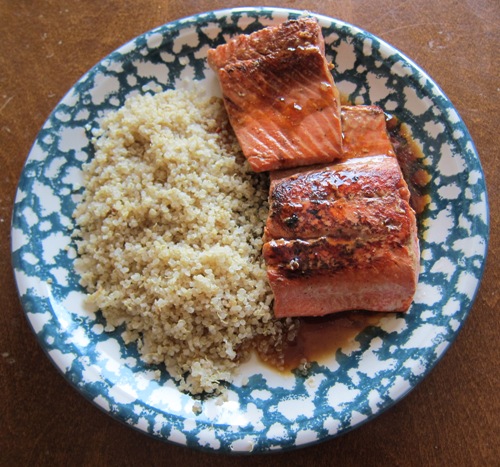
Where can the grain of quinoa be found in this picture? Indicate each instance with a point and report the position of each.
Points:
(169, 235)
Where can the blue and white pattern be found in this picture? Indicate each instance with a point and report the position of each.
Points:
(262, 410)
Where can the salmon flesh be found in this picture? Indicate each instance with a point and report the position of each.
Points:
(280, 95)
(343, 236)
(364, 130)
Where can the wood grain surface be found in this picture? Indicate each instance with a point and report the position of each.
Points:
(450, 419)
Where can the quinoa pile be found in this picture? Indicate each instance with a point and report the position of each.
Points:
(169, 236)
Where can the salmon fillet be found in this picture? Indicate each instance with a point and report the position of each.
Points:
(365, 132)
(341, 237)
(280, 96)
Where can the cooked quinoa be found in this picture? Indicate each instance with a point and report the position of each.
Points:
(169, 235)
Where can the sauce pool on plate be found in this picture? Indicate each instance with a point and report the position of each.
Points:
(319, 338)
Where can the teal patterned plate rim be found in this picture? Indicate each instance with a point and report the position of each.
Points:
(262, 411)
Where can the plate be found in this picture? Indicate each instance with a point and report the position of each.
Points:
(262, 410)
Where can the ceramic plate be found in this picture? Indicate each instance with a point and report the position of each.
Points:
(271, 411)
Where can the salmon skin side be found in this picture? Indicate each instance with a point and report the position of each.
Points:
(280, 95)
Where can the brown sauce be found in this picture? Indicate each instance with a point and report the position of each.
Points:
(319, 338)
(410, 159)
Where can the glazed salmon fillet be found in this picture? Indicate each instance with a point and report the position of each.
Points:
(341, 237)
(280, 96)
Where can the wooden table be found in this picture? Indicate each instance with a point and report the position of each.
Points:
(451, 418)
